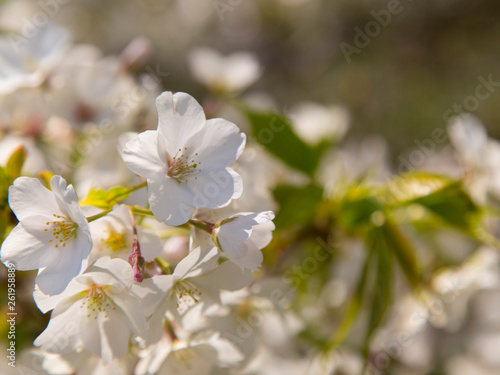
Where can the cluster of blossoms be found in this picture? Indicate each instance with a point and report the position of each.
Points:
(135, 285)
(151, 261)
(91, 269)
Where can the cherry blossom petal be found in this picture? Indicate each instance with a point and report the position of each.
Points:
(151, 246)
(179, 117)
(90, 336)
(47, 302)
(54, 278)
(220, 142)
(165, 202)
(27, 245)
(141, 156)
(110, 271)
(66, 199)
(251, 259)
(114, 334)
(262, 234)
(226, 276)
(28, 197)
(214, 187)
(130, 310)
(59, 336)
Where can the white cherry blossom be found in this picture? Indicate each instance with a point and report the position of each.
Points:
(314, 122)
(198, 356)
(99, 311)
(478, 153)
(52, 235)
(231, 73)
(242, 236)
(112, 236)
(186, 160)
(27, 61)
(196, 279)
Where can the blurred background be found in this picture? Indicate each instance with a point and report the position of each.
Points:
(392, 72)
(427, 58)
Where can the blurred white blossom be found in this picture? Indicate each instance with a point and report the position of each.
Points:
(231, 73)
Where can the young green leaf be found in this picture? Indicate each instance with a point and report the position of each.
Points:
(15, 163)
(357, 208)
(105, 198)
(273, 131)
(407, 187)
(297, 204)
(5, 182)
(404, 251)
(354, 307)
(452, 204)
(382, 289)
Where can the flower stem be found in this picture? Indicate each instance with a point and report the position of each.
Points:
(182, 230)
(203, 225)
(137, 210)
(97, 216)
(169, 330)
(130, 190)
(164, 266)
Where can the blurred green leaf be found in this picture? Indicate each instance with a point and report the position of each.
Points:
(382, 291)
(46, 177)
(5, 182)
(297, 204)
(442, 196)
(274, 132)
(357, 208)
(354, 306)
(4, 223)
(105, 198)
(404, 251)
(15, 163)
(451, 203)
(410, 186)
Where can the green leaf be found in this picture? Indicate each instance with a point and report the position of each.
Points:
(274, 132)
(382, 292)
(413, 185)
(452, 204)
(4, 223)
(444, 197)
(106, 198)
(46, 177)
(15, 163)
(298, 205)
(357, 208)
(404, 251)
(354, 306)
(5, 182)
